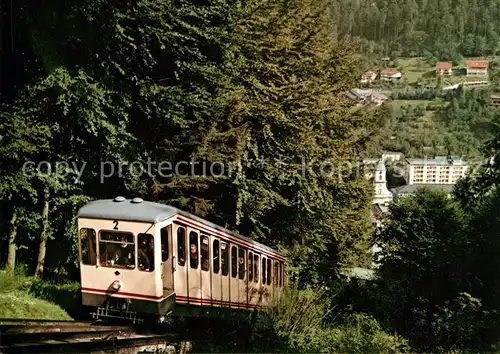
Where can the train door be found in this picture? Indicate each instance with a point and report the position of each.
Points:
(224, 267)
(206, 284)
(242, 277)
(166, 259)
(194, 276)
(179, 262)
(216, 273)
(233, 281)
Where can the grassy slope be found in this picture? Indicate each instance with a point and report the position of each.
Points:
(26, 297)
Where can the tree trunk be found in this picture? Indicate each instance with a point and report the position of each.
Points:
(43, 236)
(11, 255)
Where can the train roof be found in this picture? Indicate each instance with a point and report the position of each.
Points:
(143, 211)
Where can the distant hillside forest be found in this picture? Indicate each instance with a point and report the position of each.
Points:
(446, 28)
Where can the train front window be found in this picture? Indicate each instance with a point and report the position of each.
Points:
(89, 246)
(193, 250)
(205, 263)
(116, 249)
(241, 263)
(146, 254)
(224, 259)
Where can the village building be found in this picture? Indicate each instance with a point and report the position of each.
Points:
(408, 190)
(390, 75)
(440, 170)
(382, 195)
(444, 68)
(368, 77)
(477, 67)
(493, 99)
(369, 97)
(392, 156)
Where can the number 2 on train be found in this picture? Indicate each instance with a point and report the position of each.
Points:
(116, 225)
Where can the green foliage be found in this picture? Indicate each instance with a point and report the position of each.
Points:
(442, 30)
(297, 323)
(18, 301)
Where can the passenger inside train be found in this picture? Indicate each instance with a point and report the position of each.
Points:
(146, 253)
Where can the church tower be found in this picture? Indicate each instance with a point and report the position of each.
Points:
(382, 195)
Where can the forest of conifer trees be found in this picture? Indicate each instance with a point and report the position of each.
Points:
(257, 86)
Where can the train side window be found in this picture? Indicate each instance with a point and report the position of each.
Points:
(224, 258)
(164, 232)
(256, 268)
(269, 271)
(276, 274)
(181, 245)
(116, 249)
(241, 263)
(264, 273)
(234, 265)
(280, 274)
(193, 250)
(146, 253)
(205, 260)
(89, 246)
(250, 266)
(216, 259)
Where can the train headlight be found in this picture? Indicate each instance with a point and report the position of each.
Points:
(117, 284)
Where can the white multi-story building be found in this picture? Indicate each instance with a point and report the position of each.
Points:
(441, 170)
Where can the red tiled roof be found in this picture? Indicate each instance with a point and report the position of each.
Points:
(389, 72)
(443, 65)
(477, 64)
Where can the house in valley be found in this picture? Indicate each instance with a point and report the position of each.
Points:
(477, 67)
(390, 75)
(368, 77)
(444, 68)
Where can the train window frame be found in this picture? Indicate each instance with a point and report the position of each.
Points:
(102, 243)
(224, 252)
(256, 265)
(181, 246)
(241, 263)
(276, 273)
(150, 257)
(234, 260)
(264, 270)
(250, 266)
(269, 271)
(164, 233)
(194, 262)
(205, 260)
(215, 256)
(91, 255)
(280, 274)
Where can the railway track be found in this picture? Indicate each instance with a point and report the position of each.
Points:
(39, 336)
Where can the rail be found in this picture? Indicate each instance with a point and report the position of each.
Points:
(44, 336)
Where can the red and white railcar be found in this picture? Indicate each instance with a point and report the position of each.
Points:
(139, 257)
